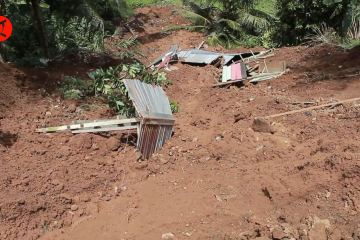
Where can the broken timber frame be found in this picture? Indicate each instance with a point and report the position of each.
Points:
(85, 127)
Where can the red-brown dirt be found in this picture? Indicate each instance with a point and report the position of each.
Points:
(295, 177)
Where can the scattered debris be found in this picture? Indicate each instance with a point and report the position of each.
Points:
(218, 198)
(259, 148)
(236, 66)
(167, 235)
(267, 193)
(94, 126)
(304, 103)
(154, 126)
(171, 53)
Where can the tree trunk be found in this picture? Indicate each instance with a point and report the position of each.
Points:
(40, 27)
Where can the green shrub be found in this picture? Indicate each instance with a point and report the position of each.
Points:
(73, 88)
(108, 82)
(174, 107)
(297, 17)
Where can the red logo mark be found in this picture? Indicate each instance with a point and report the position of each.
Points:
(5, 28)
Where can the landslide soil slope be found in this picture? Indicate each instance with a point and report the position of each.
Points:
(276, 182)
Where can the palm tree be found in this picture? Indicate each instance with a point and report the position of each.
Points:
(225, 22)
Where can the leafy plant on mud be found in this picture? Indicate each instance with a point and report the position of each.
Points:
(127, 48)
(73, 88)
(174, 106)
(324, 34)
(108, 82)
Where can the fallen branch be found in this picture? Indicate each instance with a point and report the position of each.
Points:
(352, 75)
(312, 108)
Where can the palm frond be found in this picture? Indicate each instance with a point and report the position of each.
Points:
(253, 21)
(197, 9)
(354, 30)
(194, 18)
(232, 24)
(261, 14)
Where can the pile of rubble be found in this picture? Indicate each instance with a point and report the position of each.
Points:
(236, 67)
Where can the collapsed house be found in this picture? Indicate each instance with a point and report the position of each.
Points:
(154, 120)
(236, 67)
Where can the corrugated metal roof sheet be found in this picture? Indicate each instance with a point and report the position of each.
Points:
(186, 53)
(226, 76)
(172, 50)
(198, 56)
(201, 58)
(150, 101)
(228, 58)
(153, 106)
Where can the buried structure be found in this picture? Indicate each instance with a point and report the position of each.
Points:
(236, 67)
(154, 120)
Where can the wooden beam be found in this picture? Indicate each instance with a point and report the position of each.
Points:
(88, 125)
(201, 44)
(312, 108)
(106, 129)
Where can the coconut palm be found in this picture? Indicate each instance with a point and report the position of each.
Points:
(225, 22)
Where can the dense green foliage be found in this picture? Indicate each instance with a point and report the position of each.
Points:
(83, 24)
(225, 22)
(74, 88)
(108, 83)
(69, 24)
(298, 17)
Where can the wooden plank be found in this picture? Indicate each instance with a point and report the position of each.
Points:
(223, 77)
(228, 73)
(243, 70)
(88, 125)
(202, 43)
(106, 129)
(312, 108)
(273, 66)
(253, 68)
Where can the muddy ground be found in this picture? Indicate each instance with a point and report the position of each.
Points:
(292, 177)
